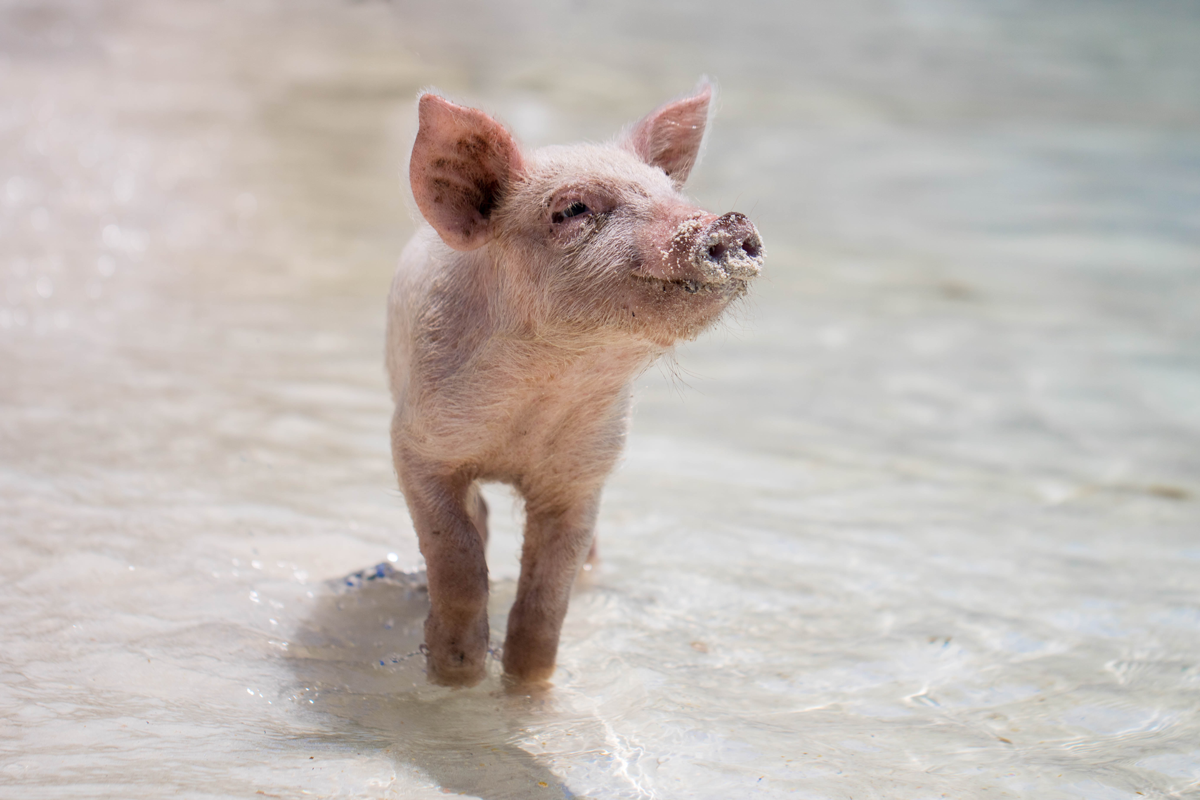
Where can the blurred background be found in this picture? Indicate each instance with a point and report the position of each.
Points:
(919, 520)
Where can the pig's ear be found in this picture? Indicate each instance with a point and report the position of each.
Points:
(463, 163)
(671, 136)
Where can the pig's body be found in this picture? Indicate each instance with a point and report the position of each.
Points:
(478, 387)
(516, 325)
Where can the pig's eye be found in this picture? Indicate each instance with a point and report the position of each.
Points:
(574, 210)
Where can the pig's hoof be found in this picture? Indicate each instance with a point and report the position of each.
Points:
(453, 668)
(526, 687)
(463, 676)
(527, 670)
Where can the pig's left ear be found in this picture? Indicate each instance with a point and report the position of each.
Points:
(671, 136)
(463, 163)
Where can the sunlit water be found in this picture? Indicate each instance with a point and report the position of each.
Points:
(921, 520)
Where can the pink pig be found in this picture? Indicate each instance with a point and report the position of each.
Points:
(545, 282)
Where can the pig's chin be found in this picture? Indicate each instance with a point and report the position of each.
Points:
(672, 309)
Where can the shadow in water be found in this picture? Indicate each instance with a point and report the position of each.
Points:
(357, 661)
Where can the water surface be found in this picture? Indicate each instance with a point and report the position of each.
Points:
(919, 521)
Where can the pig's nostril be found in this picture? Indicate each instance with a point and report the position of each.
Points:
(751, 248)
(716, 251)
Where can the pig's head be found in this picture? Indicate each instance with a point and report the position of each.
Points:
(595, 235)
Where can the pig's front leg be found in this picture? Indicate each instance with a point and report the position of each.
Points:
(450, 520)
(558, 536)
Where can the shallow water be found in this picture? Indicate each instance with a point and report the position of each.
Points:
(921, 520)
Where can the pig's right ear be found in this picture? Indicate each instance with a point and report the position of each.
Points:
(463, 163)
(671, 136)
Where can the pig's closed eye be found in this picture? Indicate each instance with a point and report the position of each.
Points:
(574, 210)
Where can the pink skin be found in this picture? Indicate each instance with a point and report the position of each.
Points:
(545, 282)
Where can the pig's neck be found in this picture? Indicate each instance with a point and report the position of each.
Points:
(521, 309)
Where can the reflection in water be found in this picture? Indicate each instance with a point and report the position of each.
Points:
(358, 661)
(922, 522)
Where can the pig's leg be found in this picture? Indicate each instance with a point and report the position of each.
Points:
(450, 520)
(557, 539)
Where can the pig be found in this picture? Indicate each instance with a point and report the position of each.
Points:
(542, 284)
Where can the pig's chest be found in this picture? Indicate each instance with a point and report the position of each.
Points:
(531, 407)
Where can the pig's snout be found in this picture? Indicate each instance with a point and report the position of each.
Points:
(728, 248)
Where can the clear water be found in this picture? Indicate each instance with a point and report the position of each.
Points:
(920, 521)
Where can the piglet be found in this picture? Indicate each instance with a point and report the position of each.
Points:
(544, 283)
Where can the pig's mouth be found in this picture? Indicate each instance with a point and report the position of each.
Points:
(694, 285)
